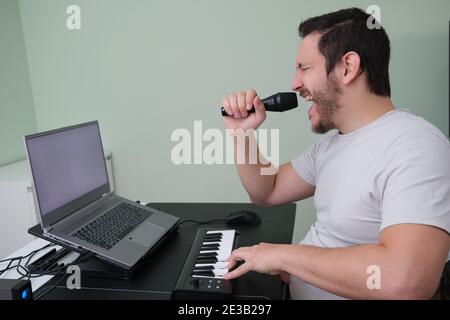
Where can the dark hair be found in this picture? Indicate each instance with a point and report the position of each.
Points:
(347, 30)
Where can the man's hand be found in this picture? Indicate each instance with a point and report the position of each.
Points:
(261, 258)
(237, 106)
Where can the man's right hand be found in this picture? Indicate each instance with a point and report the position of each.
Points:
(237, 105)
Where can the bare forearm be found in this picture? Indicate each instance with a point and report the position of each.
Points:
(350, 272)
(253, 168)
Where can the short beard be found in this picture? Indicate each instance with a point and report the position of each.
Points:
(327, 105)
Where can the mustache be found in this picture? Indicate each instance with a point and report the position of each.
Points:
(304, 93)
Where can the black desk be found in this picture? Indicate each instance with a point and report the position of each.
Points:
(156, 277)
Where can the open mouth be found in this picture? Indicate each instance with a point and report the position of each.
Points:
(309, 98)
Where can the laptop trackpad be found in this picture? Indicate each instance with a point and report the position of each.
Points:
(146, 234)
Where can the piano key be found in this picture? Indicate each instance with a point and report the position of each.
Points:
(207, 255)
(216, 239)
(219, 258)
(210, 267)
(208, 260)
(208, 233)
(216, 264)
(207, 268)
(210, 272)
(213, 235)
(211, 245)
(203, 273)
(220, 272)
(209, 251)
(215, 248)
(207, 277)
(213, 276)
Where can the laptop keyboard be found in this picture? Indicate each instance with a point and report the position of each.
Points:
(112, 226)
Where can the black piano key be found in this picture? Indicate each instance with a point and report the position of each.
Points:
(203, 273)
(213, 234)
(208, 260)
(204, 248)
(210, 249)
(211, 239)
(203, 268)
(211, 245)
(208, 267)
(207, 255)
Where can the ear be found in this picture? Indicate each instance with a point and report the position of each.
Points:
(350, 67)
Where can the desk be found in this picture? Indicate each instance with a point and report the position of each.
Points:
(156, 277)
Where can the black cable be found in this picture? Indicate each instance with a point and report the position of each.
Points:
(201, 222)
(26, 273)
(63, 276)
(20, 258)
(79, 259)
(31, 253)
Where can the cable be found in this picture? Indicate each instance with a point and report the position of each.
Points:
(201, 222)
(31, 253)
(20, 258)
(50, 289)
(26, 273)
(81, 258)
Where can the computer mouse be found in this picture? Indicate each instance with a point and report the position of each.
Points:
(243, 217)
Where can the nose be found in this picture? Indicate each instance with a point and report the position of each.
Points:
(297, 84)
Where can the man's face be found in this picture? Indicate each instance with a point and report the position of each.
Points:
(312, 83)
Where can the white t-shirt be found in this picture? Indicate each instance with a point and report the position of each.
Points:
(394, 170)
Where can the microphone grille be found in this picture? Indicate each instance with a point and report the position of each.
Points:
(288, 99)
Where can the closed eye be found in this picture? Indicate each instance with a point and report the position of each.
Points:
(302, 67)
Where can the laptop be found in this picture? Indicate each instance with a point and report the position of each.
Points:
(76, 205)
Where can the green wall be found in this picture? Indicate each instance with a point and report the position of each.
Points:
(17, 116)
(145, 68)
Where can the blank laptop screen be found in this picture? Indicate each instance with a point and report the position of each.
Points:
(66, 165)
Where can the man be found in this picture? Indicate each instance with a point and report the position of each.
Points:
(381, 182)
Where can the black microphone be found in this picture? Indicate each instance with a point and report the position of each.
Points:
(282, 101)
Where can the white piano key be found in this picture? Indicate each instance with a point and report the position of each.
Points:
(209, 251)
(216, 265)
(220, 272)
(207, 277)
(225, 248)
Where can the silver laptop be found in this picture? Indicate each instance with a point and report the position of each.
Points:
(75, 202)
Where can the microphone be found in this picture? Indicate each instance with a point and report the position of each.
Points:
(282, 101)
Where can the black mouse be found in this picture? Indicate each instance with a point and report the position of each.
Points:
(243, 217)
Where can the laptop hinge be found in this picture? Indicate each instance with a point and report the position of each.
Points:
(54, 224)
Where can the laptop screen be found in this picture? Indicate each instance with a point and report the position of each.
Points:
(68, 168)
